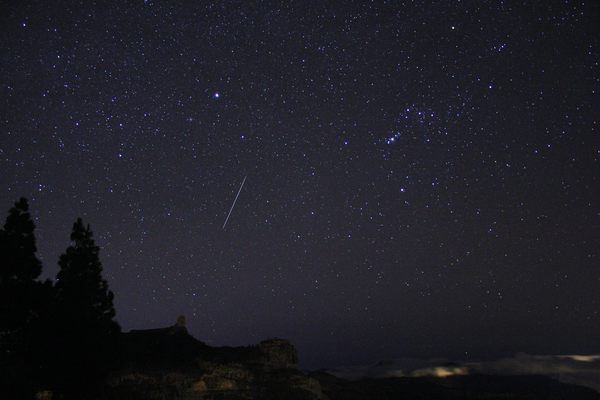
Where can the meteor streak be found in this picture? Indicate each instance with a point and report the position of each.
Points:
(233, 205)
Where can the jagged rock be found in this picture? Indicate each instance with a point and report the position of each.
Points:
(179, 326)
(170, 364)
(229, 377)
(294, 383)
(278, 353)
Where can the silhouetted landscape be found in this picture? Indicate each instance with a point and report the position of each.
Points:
(170, 363)
(60, 341)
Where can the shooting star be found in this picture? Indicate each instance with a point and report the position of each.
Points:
(233, 205)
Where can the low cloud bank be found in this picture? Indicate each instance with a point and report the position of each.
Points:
(401, 367)
(525, 364)
(576, 369)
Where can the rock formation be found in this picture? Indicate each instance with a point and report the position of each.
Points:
(278, 354)
(169, 364)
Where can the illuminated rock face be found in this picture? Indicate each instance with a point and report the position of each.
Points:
(170, 362)
(278, 354)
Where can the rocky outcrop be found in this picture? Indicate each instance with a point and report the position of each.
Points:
(232, 376)
(170, 364)
(278, 353)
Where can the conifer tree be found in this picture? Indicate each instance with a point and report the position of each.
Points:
(17, 257)
(23, 302)
(84, 334)
(19, 267)
(79, 284)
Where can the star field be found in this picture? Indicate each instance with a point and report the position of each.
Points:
(422, 179)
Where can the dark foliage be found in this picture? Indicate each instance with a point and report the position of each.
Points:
(22, 299)
(63, 337)
(83, 338)
(17, 241)
(19, 267)
(80, 288)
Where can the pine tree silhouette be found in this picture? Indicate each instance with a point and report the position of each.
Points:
(17, 246)
(19, 267)
(23, 300)
(79, 284)
(84, 334)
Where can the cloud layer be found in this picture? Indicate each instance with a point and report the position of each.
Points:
(576, 369)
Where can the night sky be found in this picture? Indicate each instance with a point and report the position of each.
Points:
(422, 179)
